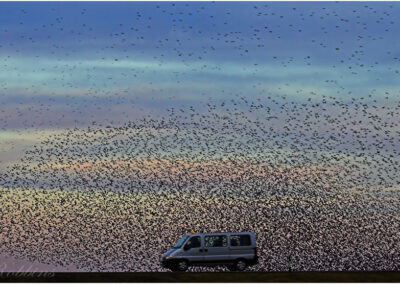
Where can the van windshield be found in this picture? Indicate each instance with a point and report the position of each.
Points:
(180, 242)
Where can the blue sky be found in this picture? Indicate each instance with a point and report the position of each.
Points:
(57, 57)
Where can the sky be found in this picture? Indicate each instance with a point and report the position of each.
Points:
(60, 56)
(74, 64)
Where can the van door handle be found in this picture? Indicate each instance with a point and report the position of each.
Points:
(205, 250)
(200, 250)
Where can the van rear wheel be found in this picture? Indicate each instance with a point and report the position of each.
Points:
(240, 265)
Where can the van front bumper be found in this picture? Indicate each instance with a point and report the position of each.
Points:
(168, 263)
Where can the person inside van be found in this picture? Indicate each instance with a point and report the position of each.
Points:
(218, 242)
(234, 242)
(194, 242)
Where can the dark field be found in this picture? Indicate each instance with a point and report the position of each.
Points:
(213, 277)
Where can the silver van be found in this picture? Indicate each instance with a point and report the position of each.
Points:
(235, 250)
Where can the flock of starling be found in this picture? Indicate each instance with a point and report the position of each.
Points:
(316, 176)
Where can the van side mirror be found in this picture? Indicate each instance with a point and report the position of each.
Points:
(187, 247)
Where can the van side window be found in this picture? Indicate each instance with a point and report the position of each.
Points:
(216, 241)
(195, 242)
(240, 240)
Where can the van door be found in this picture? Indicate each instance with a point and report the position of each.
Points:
(216, 248)
(193, 249)
(241, 246)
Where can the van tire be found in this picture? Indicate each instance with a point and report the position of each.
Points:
(240, 265)
(231, 267)
(182, 265)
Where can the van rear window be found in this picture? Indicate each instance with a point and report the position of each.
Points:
(240, 240)
(216, 241)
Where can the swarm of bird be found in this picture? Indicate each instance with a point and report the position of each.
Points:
(315, 176)
(113, 198)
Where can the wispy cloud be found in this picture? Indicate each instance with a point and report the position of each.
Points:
(30, 75)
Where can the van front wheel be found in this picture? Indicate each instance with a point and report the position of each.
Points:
(182, 265)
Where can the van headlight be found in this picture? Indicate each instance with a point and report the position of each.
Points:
(170, 256)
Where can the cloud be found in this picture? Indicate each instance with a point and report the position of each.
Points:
(29, 75)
